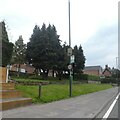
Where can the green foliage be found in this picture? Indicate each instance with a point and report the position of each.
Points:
(4, 32)
(79, 59)
(109, 80)
(23, 80)
(93, 77)
(7, 47)
(14, 74)
(80, 77)
(53, 92)
(19, 49)
(44, 48)
(45, 52)
(115, 73)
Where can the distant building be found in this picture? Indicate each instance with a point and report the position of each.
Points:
(107, 71)
(24, 68)
(93, 70)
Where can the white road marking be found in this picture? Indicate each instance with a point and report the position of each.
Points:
(111, 107)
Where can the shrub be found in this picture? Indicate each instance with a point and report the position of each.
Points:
(21, 75)
(35, 77)
(109, 80)
(93, 77)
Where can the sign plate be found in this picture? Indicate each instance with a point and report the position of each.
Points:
(72, 59)
(69, 67)
(69, 51)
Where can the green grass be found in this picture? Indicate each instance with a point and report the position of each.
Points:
(56, 92)
(29, 80)
(51, 81)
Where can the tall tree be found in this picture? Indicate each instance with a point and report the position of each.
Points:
(7, 47)
(19, 51)
(79, 59)
(43, 48)
(63, 61)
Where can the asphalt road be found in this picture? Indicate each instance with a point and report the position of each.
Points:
(114, 112)
(111, 108)
(84, 106)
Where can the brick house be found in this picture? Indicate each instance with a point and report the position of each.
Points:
(24, 68)
(93, 70)
(107, 71)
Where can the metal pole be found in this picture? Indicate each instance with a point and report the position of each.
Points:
(69, 25)
(70, 82)
(39, 90)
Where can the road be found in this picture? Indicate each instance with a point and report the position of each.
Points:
(84, 106)
(114, 112)
(112, 109)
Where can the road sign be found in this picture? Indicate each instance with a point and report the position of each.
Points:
(72, 59)
(69, 51)
(69, 67)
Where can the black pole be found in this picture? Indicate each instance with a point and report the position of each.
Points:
(39, 90)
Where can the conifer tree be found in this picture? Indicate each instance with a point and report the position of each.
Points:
(7, 47)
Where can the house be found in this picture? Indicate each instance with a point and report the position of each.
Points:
(107, 71)
(93, 70)
(24, 68)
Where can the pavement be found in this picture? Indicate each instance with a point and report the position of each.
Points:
(84, 106)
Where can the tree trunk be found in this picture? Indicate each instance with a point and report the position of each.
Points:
(53, 73)
(60, 75)
(45, 74)
(18, 70)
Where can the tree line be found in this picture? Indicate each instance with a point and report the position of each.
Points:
(45, 52)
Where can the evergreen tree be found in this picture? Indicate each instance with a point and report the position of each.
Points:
(63, 61)
(7, 47)
(43, 48)
(79, 59)
(19, 51)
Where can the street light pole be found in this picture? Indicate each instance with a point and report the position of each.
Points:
(71, 77)
(69, 24)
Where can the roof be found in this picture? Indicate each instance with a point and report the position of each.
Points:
(107, 70)
(93, 68)
(23, 65)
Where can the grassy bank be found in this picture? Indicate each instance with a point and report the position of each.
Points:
(56, 92)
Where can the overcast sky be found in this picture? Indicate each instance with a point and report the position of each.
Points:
(94, 24)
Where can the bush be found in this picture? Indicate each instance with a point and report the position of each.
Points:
(93, 77)
(109, 80)
(83, 78)
(21, 75)
(35, 77)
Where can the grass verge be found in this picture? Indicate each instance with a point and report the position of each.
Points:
(54, 92)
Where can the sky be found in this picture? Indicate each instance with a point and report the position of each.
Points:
(94, 24)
